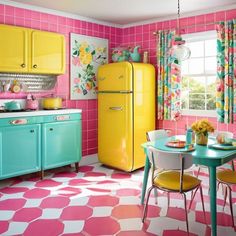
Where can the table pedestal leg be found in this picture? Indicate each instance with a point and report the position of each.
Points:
(145, 179)
(213, 200)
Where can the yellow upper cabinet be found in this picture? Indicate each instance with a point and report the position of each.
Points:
(13, 49)
(47, 53)
(31, 51)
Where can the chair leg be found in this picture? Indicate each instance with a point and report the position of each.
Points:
(203, 207)
(155, 194)
(168, 200)
(231, 205)
(225, 196)
(146, 205)
(198, 171)
(186, 211)
(192, 197)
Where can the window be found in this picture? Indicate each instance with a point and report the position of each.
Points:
(199, 75)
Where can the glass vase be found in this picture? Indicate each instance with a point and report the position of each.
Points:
(202, 138)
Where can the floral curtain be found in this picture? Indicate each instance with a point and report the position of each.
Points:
(226, 71)
(168, 78)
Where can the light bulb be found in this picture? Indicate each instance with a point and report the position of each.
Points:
(181, 52)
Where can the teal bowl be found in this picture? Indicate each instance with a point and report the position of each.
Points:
(12, 106)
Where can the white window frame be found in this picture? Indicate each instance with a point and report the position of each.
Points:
(195, 37)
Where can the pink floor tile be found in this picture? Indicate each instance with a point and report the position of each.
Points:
(103, 201)
(47, 183)
(3, 226)
(76, 213)
(12, 204)
(37, 193)
(13, 190)
(101, 226)
(27, 214)
(55, 202)
(45, 228)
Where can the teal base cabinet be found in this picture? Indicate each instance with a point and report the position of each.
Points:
(20, 151)
(61, 144)
(32, 143)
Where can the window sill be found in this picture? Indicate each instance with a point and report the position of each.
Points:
(201, 113)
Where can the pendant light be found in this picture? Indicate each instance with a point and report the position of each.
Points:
(179, 50)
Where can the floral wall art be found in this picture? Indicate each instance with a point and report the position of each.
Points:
(87, 54)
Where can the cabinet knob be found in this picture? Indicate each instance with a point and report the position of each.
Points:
(31, 131)
(23, 65)
(51, 129)
(35, 66)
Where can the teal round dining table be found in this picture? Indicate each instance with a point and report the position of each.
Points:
(202, 155)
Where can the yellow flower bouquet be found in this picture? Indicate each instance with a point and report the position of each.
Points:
(201, 129)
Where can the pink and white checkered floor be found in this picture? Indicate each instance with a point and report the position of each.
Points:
(99, 201)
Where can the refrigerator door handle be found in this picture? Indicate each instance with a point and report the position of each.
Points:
(116, 108)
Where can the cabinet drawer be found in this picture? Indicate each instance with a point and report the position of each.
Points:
(17, 121)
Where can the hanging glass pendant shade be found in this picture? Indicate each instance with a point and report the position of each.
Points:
(179, 50)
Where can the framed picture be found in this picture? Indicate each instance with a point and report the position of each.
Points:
(86, 55)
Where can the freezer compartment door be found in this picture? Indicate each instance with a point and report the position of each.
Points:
(115, 77)
(115, 130)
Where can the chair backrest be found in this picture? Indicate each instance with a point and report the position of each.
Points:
(169, 161)
(166, 160)
(226, 134)
(157, 134)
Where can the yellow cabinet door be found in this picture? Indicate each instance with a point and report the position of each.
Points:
(47, 53)
(115, 130)
(13, 49)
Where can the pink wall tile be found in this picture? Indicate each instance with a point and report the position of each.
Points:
(2, 19)
(19, 12)
(9, 11)
(9, 20)
(220, 16)
(230, 14)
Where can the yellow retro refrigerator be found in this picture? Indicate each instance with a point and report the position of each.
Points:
(126, 111)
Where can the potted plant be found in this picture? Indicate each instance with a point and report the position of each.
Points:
(201, 129)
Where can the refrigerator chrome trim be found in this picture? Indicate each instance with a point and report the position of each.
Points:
(121, 91)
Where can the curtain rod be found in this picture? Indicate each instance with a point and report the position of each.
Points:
(188, 26)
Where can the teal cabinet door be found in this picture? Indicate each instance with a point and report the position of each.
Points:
(20, 150)
(61, 143)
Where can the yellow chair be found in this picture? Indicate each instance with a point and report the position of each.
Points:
(170, 177)
(228, 178)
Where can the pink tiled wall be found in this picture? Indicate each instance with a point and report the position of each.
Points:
(143, 35)
(139, 35)
(48, 22)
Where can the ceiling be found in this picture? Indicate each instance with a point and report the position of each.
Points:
(130, 11)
